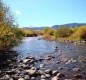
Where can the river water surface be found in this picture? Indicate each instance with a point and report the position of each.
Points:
(68, 58)
(36, 47)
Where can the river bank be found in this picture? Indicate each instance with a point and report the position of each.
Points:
(58, 62)
(66, 40)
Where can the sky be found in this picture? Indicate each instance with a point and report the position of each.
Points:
(37, 13)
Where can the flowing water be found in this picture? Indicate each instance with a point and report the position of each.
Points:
(36, 47)
(67, 57)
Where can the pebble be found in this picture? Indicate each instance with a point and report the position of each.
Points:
(78, 76)
(27, 77)
(48, 75)
(41, 65)
(76, 69)
(55, 72)
(21, 79)
(60, 75)
(48, 71)
(43, 76)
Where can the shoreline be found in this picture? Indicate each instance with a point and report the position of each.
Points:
(66, 40)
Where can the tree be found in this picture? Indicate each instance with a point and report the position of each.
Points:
(8, 31)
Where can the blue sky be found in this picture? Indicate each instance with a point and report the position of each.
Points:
(47, 12)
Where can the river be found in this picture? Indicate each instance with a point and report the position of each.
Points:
(37, 47)
(68, 58)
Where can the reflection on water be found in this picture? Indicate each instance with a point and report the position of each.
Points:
(36, 47)
(32, 45)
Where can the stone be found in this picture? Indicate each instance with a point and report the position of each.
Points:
(43, 79)
(68, 79)
(43, 76)
(60, 75)
(26, 60)
(57, 62)
(33, 68)
(76, 69)
(48, 58)
(11, 72)
(65, 59)
(69, 62)
(27, 77)
(30, 57)
(26, 66)
(55, 72)
(60, 68)
(15, 77)
(55, 78)
(48, 71)
(40, 59)
(32, 78)
(7, 77)
(48, 75)
(79, 76)
(41, 72)
(31, 72)
(41, 65)
(11, 79)
(21, 79)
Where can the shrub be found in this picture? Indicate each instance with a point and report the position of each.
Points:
(29, 33)
(80, 33)
(10, 35)
(63, 32)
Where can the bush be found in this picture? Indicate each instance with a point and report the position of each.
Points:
(29, 33)
(10, 35)
(80, 33)
(63, 32)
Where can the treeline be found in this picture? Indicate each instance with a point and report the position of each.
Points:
(77, 33)
(10, 35)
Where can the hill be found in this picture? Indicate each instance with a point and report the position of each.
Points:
(72, 25)
(69, 25)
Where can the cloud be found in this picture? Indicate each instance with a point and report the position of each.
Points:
(18, 12)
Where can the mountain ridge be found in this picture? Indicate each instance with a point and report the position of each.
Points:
(71, 25)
